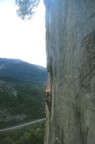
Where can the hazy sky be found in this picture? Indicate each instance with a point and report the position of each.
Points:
(22, 39)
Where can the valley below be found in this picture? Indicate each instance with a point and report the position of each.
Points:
(22, 90)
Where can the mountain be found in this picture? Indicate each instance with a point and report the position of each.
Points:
(17, 70)
(22, 88)
(6, 60)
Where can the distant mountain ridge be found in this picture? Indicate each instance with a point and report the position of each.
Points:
(6, 60)
(18, 70)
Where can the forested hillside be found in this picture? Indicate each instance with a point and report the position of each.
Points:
(22, 87)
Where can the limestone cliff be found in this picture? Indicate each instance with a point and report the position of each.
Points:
(70, 36)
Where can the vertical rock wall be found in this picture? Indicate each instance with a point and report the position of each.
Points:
(70, 37)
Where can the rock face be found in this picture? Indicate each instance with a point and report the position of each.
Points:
(70, 36)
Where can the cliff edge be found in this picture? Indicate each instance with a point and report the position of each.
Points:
(70, 42)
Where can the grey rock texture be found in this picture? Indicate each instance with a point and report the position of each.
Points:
(70, 37)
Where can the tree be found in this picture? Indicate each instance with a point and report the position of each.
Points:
(26, 8)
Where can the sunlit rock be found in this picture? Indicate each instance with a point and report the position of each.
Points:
(70, 37)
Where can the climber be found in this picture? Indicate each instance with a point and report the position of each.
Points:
(48, 99)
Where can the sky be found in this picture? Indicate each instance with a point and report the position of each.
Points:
(21, 39)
